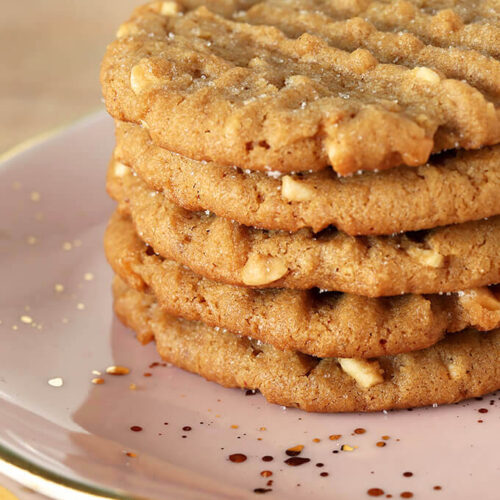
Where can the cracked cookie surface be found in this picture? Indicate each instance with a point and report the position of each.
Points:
(319, 324)
(294, 87)
(452, 188)
(445, 259)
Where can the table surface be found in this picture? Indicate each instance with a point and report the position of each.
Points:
(50, 55)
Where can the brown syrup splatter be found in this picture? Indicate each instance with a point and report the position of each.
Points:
(375, 492)
(324, 474)
(136, 428)
(237, 458)
(296, 461)
(267, 458)
(359, 430)
(266, 473)
(407, 474)
(294, 450)
(406, 494)
(261, 491)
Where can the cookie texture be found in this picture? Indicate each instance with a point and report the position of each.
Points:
(266, 87)
(451, 258)
(452, 188)
(319, 324)
(461, 366)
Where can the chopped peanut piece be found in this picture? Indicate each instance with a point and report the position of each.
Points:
(142, 78)
(127, 29)
(365, 373)
(482, 296)
(293, 190)
(165, 8)
(427, 75)
(429, 258)
(120, 170)
(261, 270)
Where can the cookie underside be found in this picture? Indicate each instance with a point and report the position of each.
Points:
(461, 366)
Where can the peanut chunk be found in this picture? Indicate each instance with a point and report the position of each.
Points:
(365, 373)
(427, 75)
(120, 170)
(142, 77)
(165, 8)
(429, 258)
(456, 368)
(127, 29)
(293, 190)
(261, 270)
(483, 296)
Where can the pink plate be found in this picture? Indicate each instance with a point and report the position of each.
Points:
(71, 438)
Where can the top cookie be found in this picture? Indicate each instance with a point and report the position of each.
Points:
(268, 88)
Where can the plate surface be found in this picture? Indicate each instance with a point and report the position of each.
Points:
(57, 332)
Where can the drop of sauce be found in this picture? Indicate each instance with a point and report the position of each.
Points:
(483, 410)
(270, 482)
(319, 464)
(381, 444)
(437, 488)
(261, 491)
(186, 428)
(294, 451)
(324, 474)
(136, 428)
(375, 492)
(407, 474)
(266, 473)
(406, 494)
(359, 430)
(296, 461)
(267, 458)
(237, 458)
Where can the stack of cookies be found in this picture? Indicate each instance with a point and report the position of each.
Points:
(309, 196)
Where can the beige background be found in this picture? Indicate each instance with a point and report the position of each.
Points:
(49, 61)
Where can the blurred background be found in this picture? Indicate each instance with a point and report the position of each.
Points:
(50, 52)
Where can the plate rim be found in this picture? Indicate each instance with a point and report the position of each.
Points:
(11, 463)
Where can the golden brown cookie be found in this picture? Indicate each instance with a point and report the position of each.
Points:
(450, 258)
(213, 82)
(461, 366)
(452, 188)
(319, 324)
